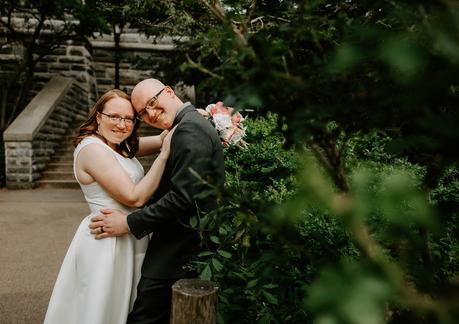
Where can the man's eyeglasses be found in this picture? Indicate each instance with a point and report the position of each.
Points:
(128, 121)
(150, 104)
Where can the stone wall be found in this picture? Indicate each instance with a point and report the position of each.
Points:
(92, 64)
(139, 56)
(8, 62)
(74, 61)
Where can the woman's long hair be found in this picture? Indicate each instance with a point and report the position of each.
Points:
(128, 148)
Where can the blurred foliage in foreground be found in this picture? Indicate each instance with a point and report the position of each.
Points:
(344, 207)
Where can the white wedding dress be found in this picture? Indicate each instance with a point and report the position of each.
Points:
(98, 278)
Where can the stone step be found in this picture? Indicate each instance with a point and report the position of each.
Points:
(58, 175)
(80, 117)
(64, 150)
(68, 141)
(67, 156)
(59, 166)
(67, 184)
(69, 137)
(76, 124)
(63, 159)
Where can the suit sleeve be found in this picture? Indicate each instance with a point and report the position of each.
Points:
(190, 148)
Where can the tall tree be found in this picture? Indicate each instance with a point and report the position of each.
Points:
(34, 29)
(116, 15)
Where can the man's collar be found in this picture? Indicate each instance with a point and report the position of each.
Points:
(186, 104)
(185, 108)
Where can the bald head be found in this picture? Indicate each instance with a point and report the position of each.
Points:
(143, 91)
(162, 101)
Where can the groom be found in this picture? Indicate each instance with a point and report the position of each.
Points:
(195, 145)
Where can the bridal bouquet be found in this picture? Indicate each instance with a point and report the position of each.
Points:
(229, 124)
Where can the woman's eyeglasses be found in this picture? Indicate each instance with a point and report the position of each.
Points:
(128, 121)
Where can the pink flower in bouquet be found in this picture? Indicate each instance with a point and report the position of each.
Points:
(228, 123)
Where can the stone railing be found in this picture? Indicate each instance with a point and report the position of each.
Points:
(30, 141)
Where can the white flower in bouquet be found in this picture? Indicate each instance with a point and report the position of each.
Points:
(227, 123)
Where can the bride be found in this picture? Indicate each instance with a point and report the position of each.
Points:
(97, 281)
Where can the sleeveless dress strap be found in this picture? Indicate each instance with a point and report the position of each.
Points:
(86, 141)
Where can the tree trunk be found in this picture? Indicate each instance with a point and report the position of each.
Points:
(194, 301)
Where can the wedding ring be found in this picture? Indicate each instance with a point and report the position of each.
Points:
(102, 229)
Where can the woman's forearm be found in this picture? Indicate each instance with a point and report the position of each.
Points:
(149, 144)
(147, 186)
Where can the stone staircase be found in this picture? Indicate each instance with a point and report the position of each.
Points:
(59, 171)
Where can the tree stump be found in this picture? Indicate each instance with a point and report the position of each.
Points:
(194, 301)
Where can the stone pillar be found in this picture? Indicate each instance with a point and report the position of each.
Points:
(19, 165)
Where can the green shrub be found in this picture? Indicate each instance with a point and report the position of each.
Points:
(274, 245)
(262, 262)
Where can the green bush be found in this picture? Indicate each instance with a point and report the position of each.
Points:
(262, 262)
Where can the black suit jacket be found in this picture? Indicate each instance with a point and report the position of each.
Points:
(194, 145)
